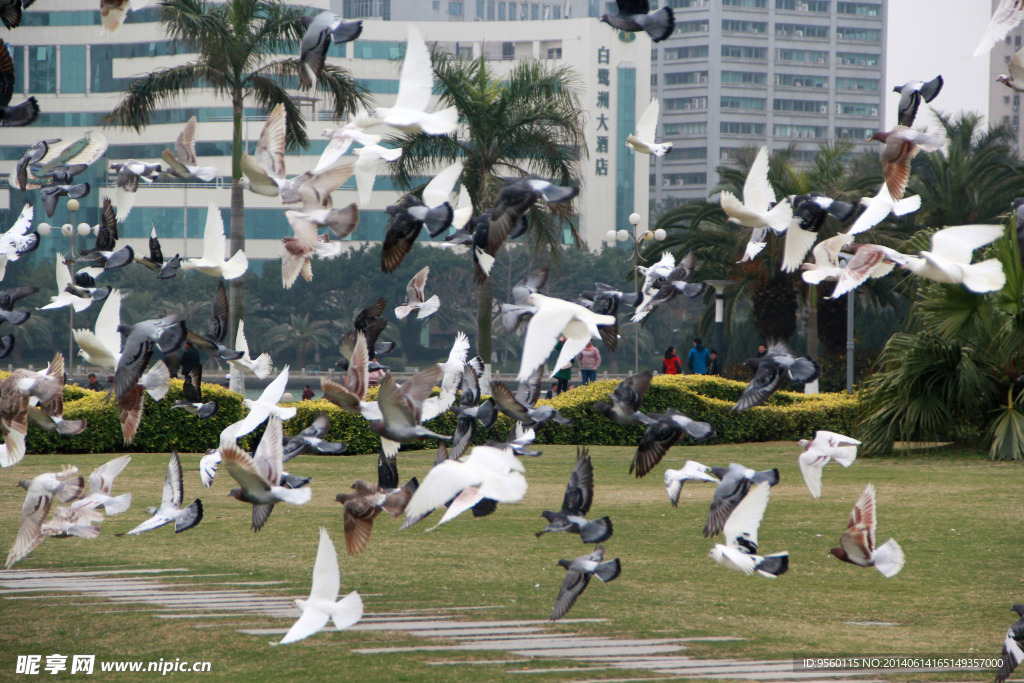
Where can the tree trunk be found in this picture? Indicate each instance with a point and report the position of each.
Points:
(236, 287)
(485, 295)
(812, 321)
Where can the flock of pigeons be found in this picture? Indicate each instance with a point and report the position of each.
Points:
(463, 478)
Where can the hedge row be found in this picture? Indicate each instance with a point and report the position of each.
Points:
(788, 416)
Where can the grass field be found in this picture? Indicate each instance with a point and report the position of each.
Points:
(957, 515)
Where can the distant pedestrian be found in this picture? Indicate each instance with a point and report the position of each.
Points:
(713, 367)
(590, 361)
(94, 383)
(564, 373)
(671, 363)
(761, 350)
(698, 358)
(375, 377)
(307, 393)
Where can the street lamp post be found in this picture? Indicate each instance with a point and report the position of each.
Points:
(635, 258)
(850, 301)
(719, 288)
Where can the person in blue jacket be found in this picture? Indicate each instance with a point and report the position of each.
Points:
(698, 358)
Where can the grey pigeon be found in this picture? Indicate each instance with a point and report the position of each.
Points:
(604, 300)
(636, 15)
(520, 412)
(216, 329)
(35, 153)
(769, 371)
(371, 323)
(578, 576)
(734, 483)
(661, 434)
(662, 289)
(22, 114)
(105, 255)
(164, 270)
(579, 494)
(408, 216)
(809, 214)
(470, 409)
(51, 194)
(170, 509)
(1013, 646)
(311, 440)
(911, 94)
(166, 334)
(627, 398)
(321, 31)
(192, 389)
(9, 297)
(401, 407)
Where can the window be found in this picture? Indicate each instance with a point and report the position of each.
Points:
(857, 83)
(511, 11)
(744, 26)
(801, 106)
(42, 69)
(455, 9)
(805, 56)
(557, 12)
(691, 52)
(801, 31)
(862, 9)
(856, 59)
(787, 131)
(856, 33)
(744, 78)
(686, 77)
(72, 68)
(535, 12)
(501, 11)
(378, 49)
(801, 81)
(858, 109)
(554, 53)
(685, 129)
(684, 103)
(79, 18)
(745, 3)
(700, 26)
(479, 9)
(748, 103)
(737, 128)
(508, 50)
(690, 153)
(686, 4)
(854, 133)
(744, 52)
(681, 179)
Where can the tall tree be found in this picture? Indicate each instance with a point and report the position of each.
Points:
(525, 121)
(235, 42)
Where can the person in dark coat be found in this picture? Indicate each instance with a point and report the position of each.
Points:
(189, 358)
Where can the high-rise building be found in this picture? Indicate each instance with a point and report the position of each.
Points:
(764, 72)
(1004, 103)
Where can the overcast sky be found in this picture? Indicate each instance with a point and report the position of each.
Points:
(931, 37)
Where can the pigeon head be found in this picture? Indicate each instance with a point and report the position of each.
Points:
(1019, 609)
(1003, 78)
(564, 563)
(1017, 203)
(25, 483)
(151, 510)
(840, 553)
(881, 136)
(804, 443)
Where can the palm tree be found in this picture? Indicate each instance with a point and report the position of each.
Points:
(304, 335)
(526, 121)
(235, 42)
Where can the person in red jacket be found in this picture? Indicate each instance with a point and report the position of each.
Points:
(672, 364)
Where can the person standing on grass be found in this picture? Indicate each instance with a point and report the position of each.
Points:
(698, 358)
(564, 373)
(713, 367)
(590, 361)
(671, 363)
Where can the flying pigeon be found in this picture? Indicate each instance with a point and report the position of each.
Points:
(662, 432)
(192, 390)
(114, 12)
(10, 13)
(401, 408)
(129, 173)
(367, 162)
(212, 343)
(323, 604)
(297, 256)
(51, 194)
(415, 298)
(659, 287)
(63, 160)
(674, 479)
(28, 111)
(636, 16)
(371, 323)
(170, 509)
(18, 240)
(67, 485)
(260, 476)
(342, 138)
(8, 299)
(1015, 79)
(528, 416)
(264, 170)
(266, 405)
(740, 550)
(911, 95)
(33, 155)
(809, 214)
(948, 261)
(1013, 647)
(579, 494)
(734, 483)
(363, 506)
(826, 446)
(901, 145)
(350, 395)
(470, 409)
(164, 270)
(212, 261)
(868, 261)
(578, 573)
(552, 318)
(65, 522)
(857, 545)
(181, 161)
(20, 393)
(322, 30)
(415, 85)
(605, 300)
(101, 483)
(451, 377)
(105, 255)
(167, 334)
(408, 217)
(758, 210)
(260, 367)
(1007, 17)
(770, 369)
(311, 440)
(646, 131)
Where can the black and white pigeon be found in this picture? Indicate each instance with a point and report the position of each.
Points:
(735, 482)
(8, 298)
(311, 440)
(911, 95)
(636, 15)
(51, 194)
(182, 162)
(663, 289)
(129, 172)
(739, 552)
(105, 255)
(470, 409)
(371, 323)
(408, 217)
(1013, 647)
(809, 214)
(212, 343)
(167, 334)
(674, 479)
(604, 300)
(771, 369)
(627, 398)
(192, 389)
(164, 270)
(170, 509)
(34, 154)
(19, 239)
(21, 114)
(662, 432)
(528, 415)
(578, 576)
(579, 494)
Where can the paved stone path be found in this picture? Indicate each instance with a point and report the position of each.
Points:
(531, 646)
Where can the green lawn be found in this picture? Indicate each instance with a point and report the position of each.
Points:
(957, 515)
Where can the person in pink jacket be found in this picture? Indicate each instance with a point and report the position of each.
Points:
(590, 361)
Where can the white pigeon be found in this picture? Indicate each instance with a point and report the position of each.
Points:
(646, 131)
(67, 485)
(101, 483)
(342, 138)
(209, 463)
(182, 160)
(323, 604)
(868, 262)
(740, 550)
(487, 472)
(264, 170)
(826, 260)
(170, 509)
(415, 86)
(552, 318)
(64, 297)
(366, 168)
(756, 210)
(1007, 17)
(260, 367)
(948, 261)
(18, 240)
(1014, 79)
(266, 405)
(129, 173)
(463, 209)
(298, 250)
(826, 446)
(415, 298)
(214, 246)
(674, 479)
(76, 521)
(452, 377)
(880, 206)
